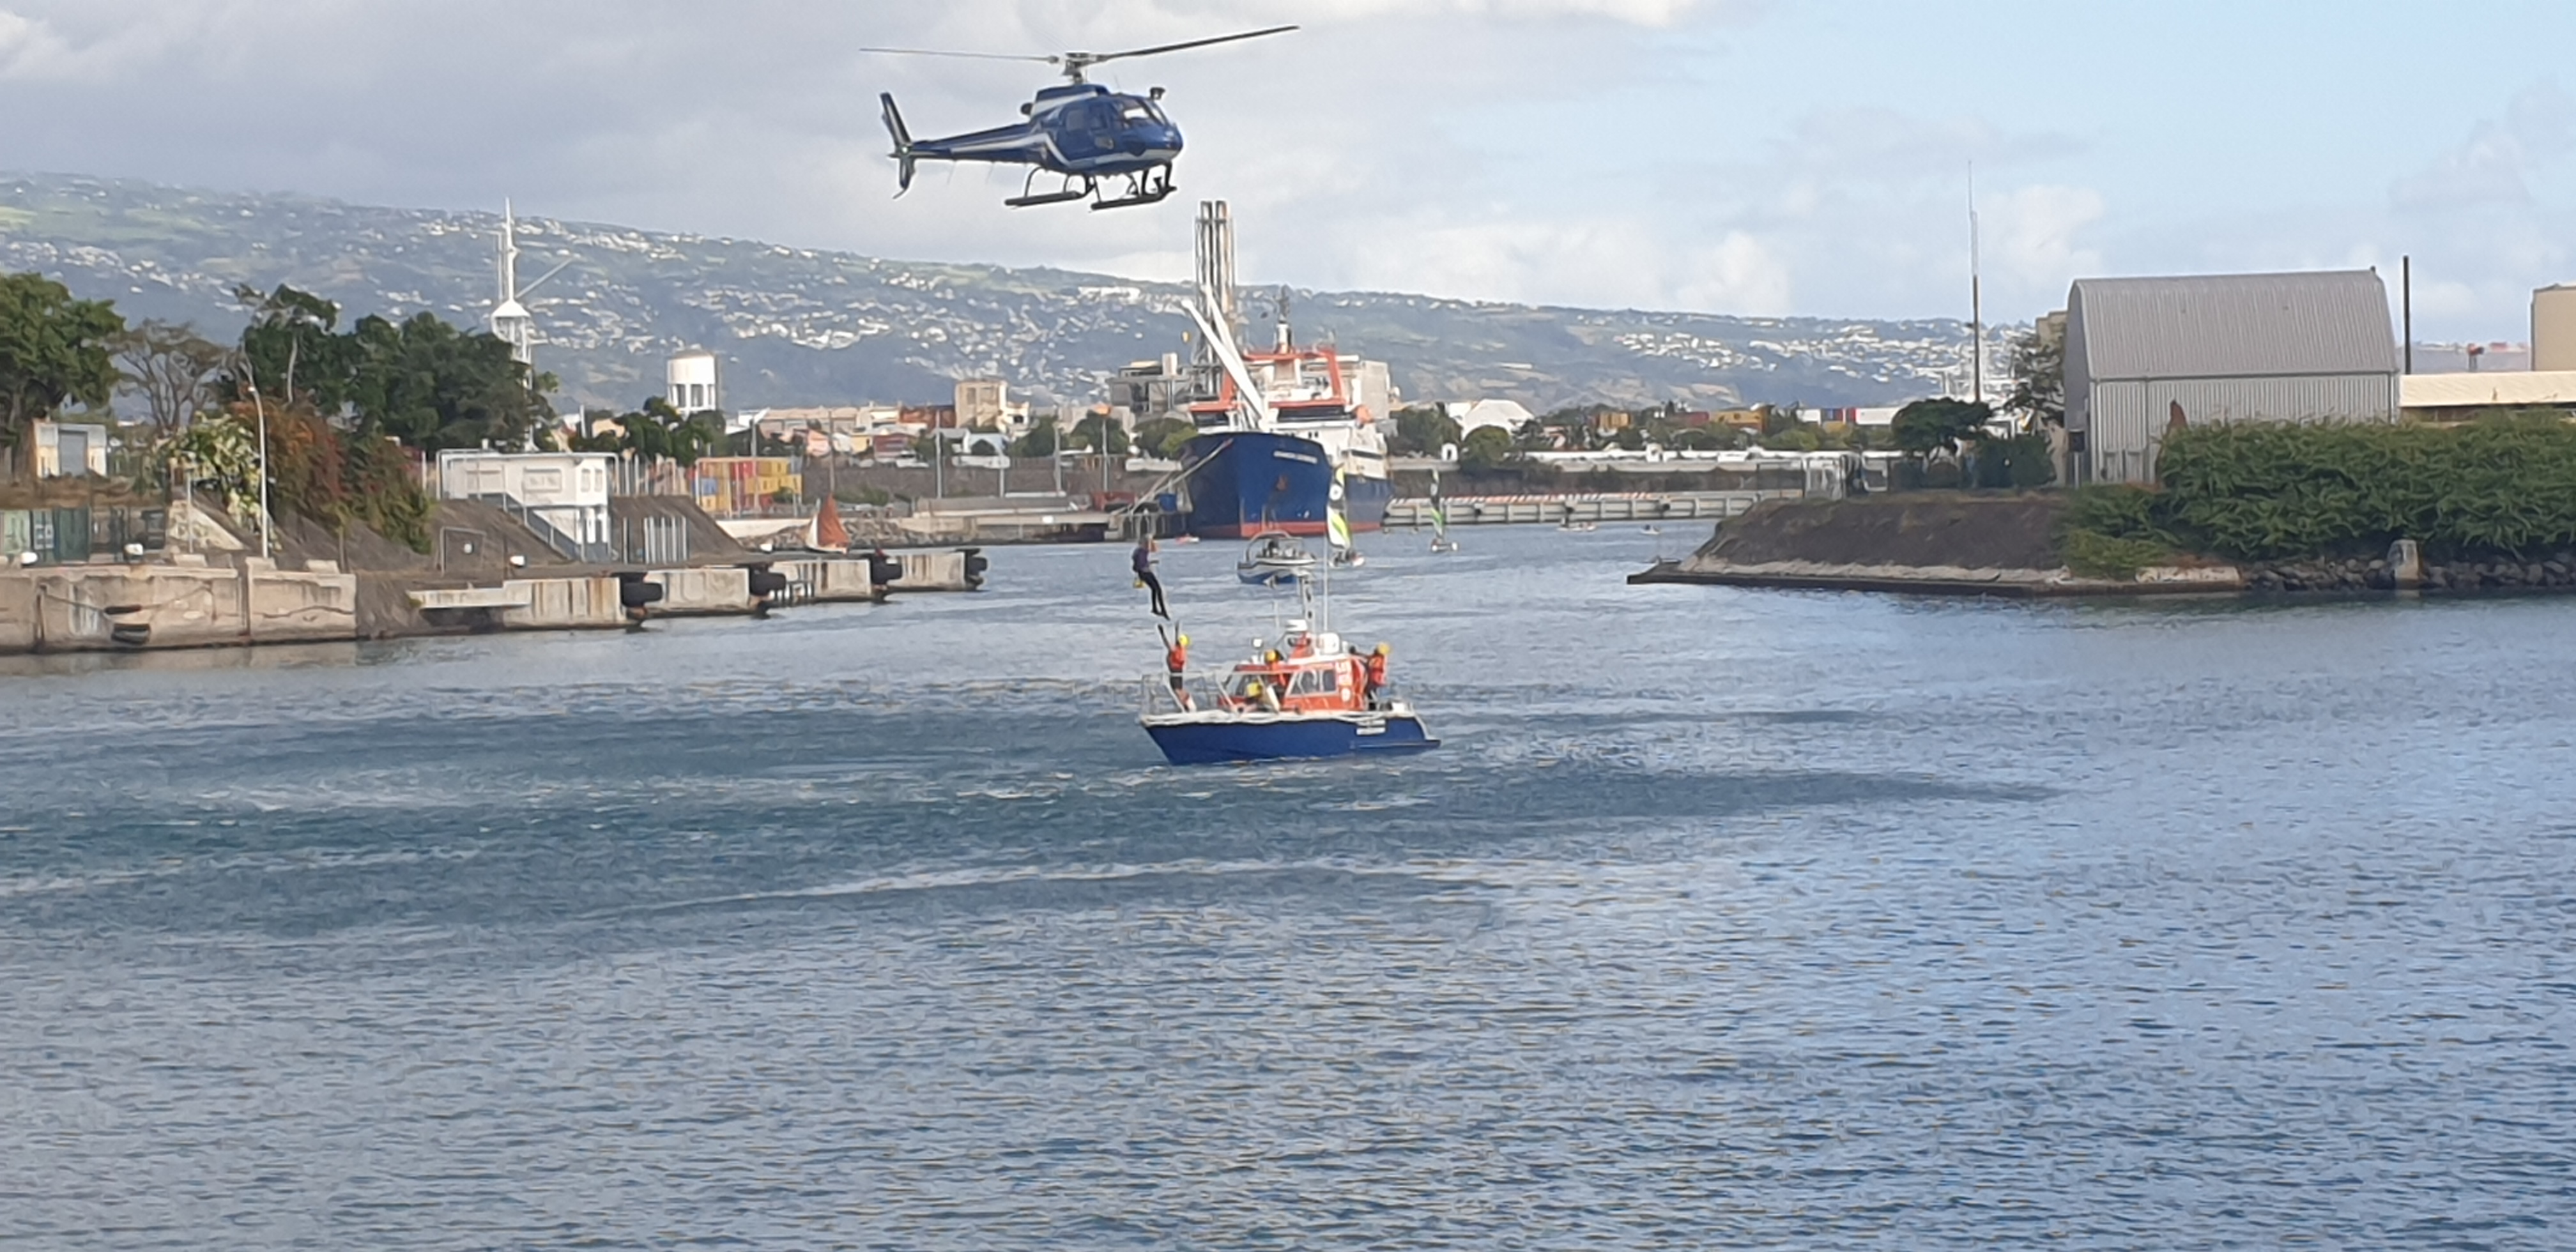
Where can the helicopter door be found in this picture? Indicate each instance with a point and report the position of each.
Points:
(1100, 121)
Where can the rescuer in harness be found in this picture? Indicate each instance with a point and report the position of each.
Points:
(1142, 561)
(1373, 676)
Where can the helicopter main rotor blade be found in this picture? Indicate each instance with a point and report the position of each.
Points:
(975, 56)
(1095, 58)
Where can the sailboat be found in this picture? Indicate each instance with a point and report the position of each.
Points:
(1337, 528)
(1440, 540)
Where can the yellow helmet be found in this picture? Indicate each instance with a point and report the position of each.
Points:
(1383, 650)
(1185, 641)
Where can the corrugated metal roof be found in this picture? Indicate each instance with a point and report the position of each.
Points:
(2500, 388)
(2234, 325)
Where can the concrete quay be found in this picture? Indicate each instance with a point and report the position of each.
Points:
(88, 608)
(190, 603)
(1561, 510)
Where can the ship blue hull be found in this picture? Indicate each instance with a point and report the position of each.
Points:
(1242, 483)
(1218, 742)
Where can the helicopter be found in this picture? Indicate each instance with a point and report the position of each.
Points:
(1079, 131)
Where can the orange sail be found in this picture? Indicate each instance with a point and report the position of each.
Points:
(829, 534)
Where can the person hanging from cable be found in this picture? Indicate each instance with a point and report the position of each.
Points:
(1142, 561)
(1176, 664)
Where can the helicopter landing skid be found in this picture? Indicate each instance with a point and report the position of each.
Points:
(1069, 191)
(1149, 187)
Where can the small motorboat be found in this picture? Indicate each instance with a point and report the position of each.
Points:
(1306, 698)
(1272, 558)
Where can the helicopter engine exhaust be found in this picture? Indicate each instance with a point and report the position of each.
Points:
(903, 154)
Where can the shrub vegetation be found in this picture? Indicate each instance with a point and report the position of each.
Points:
(2286, 491)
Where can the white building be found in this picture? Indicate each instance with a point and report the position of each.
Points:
(70, 449)
(1506, 415)
(562, 496)
(692, 382)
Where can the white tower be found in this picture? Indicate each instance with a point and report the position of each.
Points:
(692, 382)
(510, 321)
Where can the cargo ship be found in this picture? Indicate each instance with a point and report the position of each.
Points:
(1281, 434)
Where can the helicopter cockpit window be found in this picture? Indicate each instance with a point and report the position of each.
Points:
(1137, 111)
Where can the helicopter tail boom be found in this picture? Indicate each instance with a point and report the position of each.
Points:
(903, 151)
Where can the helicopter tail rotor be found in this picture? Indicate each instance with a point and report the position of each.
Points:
(903, 154)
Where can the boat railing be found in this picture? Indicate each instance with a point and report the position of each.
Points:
(1207, 692)
(1154, 694)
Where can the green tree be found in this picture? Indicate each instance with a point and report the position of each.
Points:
(1795, 439)
(1423, 431)
(433, 386)
(1485, 448)
(292, 347)
(1928, 426)
(1165, 436)
(1039, 442)
(54, 351)
(655, 431)
(1087, 435)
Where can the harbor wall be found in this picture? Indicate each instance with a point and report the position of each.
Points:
(103, 607)
(939, 569)
(710, 590)
(1940, 543)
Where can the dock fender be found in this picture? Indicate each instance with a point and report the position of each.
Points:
(884, 571)
(634, 593)
(765, 582)
(975, 567)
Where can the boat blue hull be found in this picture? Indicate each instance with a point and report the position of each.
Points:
(1242, 483)
(1304, 738)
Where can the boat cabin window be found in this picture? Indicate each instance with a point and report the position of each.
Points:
(1314, 682)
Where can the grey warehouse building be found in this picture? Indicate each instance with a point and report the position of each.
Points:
(2144, 355)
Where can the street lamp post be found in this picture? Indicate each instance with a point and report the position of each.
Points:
(266, 548)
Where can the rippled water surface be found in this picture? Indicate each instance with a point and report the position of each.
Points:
(1723, 918)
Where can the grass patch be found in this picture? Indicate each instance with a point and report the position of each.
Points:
(2093, 554)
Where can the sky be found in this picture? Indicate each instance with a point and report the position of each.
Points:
(1753, 157)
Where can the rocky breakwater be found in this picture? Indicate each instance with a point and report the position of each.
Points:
(1943, 543)
(2400, 571)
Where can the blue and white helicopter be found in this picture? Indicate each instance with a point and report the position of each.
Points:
(1081, 131)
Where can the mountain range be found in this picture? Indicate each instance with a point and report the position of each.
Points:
(798, 326)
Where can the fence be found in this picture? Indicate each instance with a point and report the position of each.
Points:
(70, 536)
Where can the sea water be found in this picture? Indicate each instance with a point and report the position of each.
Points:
(1724, 918)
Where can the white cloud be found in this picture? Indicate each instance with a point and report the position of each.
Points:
(27, 46)
(1738, 275)
(2493, 165)
(2030, 234)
